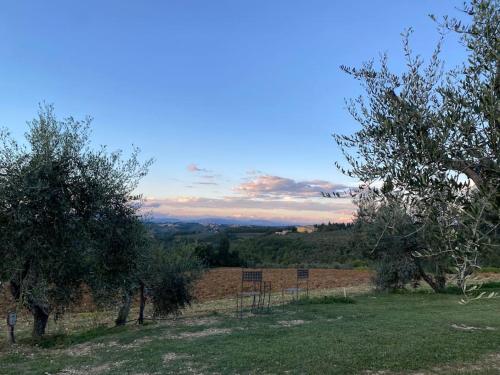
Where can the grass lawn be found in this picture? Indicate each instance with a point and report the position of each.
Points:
(394, 333)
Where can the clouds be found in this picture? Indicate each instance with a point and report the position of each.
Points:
(325, 205)
(258, 196)
(300, 211)
(194, 168)
(276, 187)
(206, 175)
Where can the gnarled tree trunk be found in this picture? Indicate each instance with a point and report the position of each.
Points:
(40, 318)
(436, 282)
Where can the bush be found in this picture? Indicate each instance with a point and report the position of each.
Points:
(171, 279)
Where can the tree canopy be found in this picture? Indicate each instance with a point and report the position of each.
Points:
(432, 137)
(59, 204)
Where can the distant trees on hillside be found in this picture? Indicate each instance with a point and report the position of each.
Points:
(330, 227)
(219, 255)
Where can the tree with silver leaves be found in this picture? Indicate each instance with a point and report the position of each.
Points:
(433, 139)
(58, 199)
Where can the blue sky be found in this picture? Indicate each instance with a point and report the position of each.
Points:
(236, 100)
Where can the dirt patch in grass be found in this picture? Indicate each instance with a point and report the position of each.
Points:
(92, 370)
(291, 323)
(205, 333)
(170, 357)
(207, 321)
(199, 334)
(84, 349)
(463, 327)
(137, 343)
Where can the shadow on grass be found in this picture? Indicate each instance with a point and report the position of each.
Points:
(63, 339)
(324, 300)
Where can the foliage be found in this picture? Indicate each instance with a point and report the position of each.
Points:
(327, 248)
(391, 240)
(218, 255)
(169, 279)
(57, 197)
(123, 256)
(433, 139)
(331, 227)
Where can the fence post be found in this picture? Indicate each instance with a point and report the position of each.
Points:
(11, 322)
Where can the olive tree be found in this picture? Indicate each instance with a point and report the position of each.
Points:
(167, 277)
(164, 276)
(57, 195)
(432, 137)
(389, 235)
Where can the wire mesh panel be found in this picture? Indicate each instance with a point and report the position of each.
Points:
(302, 274)
(252, 276)
(301, 285)
(252, 286)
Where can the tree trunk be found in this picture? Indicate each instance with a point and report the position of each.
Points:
(40, 318)
(438, 282)
(142, 305)
(121, 320)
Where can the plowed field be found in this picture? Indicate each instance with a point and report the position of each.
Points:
(218, 283)
(223, 282)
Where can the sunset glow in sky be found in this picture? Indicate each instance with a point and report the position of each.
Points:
(235, 100)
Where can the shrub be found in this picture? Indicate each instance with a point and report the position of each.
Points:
(171, 279)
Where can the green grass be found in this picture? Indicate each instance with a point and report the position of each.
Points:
(324, 300)
(398, 333)
(490, 270)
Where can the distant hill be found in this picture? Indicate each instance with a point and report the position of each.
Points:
(221, 221)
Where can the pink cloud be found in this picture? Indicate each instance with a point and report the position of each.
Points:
(303, 211)
(268, 186)
(194, 168)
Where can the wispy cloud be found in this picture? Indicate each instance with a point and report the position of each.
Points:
(194, 168)
(301, 211)
(206, 183)
(275, 187)
(261, 196)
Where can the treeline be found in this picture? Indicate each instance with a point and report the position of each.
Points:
(335, 246)
(338, 245)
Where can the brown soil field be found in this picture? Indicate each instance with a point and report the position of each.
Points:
(218, 283)
(223, 282)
